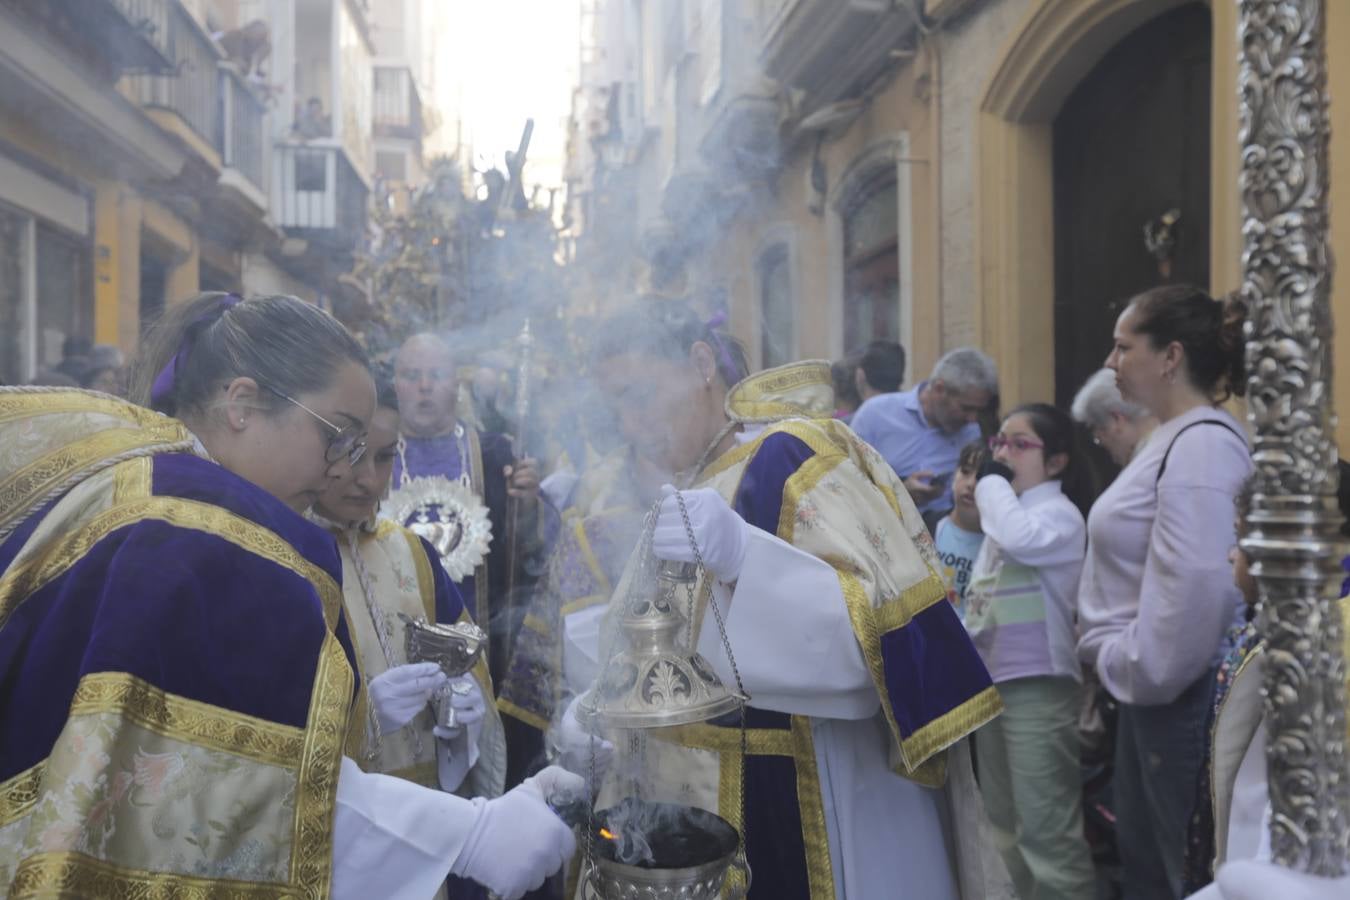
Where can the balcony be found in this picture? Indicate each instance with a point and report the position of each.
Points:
(397, 110)
(187, 103)
(830, 48)
(111, 37)
(318, 196)
(240, 127)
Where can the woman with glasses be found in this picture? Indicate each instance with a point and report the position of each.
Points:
(1020, 613)
(175, 669)
(1156, 598)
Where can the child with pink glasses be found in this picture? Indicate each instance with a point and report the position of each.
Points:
(1020, 613)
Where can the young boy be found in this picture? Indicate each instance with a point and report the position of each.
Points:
(958, 536)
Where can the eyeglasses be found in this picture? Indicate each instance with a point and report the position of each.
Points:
(349, 442)
(1018, 443)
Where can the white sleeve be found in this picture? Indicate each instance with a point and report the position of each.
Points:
(581, 647)
(393, 838)
(1046, 535)
(791, 634)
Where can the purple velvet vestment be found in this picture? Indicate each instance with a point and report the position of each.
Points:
(196, 590)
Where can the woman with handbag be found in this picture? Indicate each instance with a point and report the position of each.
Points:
(1155, 599)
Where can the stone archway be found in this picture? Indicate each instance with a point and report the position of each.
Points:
(1058, 43)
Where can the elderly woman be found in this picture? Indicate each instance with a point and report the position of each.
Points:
(1118, 426)
(1156, 600)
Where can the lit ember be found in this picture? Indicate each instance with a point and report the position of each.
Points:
(608, 835)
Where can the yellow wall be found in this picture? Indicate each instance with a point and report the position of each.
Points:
(901, 108)
(119, 213)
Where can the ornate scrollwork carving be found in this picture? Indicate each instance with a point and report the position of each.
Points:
(1292, 531)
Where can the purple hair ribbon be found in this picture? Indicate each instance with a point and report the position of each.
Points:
(724, 358)
(167, 378)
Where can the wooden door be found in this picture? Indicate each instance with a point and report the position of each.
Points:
(1131, 143)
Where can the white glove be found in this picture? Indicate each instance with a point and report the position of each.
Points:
(466, 699)
(1250, 880)
(722, 535)
(402, 692)
(555, 784)
(518, 841)
(575, 746)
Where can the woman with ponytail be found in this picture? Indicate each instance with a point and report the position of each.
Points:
(1156, 599)
(176, 673)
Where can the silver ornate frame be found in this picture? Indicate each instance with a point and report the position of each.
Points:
(1292, 530)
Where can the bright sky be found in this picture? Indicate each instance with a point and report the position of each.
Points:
(513, 60)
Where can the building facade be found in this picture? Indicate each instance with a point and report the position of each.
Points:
(150, 149)
(1002, 173)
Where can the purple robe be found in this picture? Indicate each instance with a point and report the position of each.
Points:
(203, 609)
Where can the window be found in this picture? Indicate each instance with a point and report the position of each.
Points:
(872, 263)
(775, 308)
(45, 294)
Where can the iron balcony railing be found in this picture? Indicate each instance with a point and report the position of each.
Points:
(150, 18)
(241, 127)
(193, 93)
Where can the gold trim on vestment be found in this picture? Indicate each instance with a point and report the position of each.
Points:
(795, 743)
(731, 806)
(919, 748)
(69, 874)
(799, 484)
(767, 396)
(132, 480)
(1255, 651)
(18, 794)
(20, 492)
(702, 736)
(811, 808)
(507, 708)
(183, 719)
(912, 600)
(426, 578)
(588, 554)
(52, 561)
(178, 718)
(16, 403)
(316, 790)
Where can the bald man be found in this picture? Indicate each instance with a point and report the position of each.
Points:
(438, 444)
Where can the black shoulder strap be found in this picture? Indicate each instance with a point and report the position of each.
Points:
(1162, 467)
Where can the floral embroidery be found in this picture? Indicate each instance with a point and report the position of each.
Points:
(152, 770)
(120, 793)
(928, 550)
(807, 515)
(876, 539)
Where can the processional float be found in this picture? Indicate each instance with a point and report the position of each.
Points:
(1292, 532)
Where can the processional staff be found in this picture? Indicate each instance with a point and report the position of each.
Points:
(1292, 533)
(515, 608)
